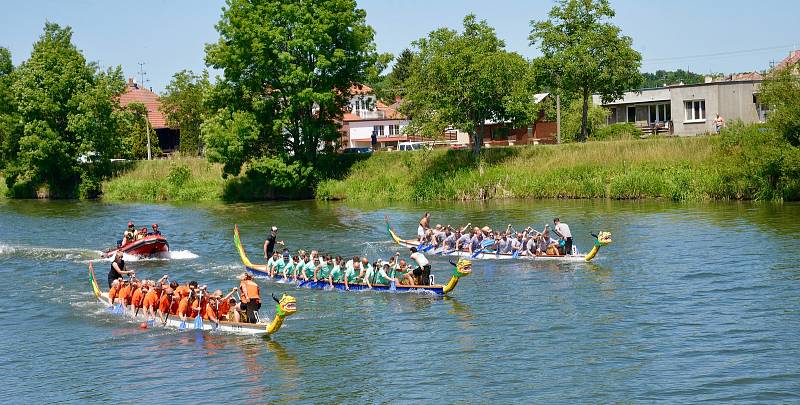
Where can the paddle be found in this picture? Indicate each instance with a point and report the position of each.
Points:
(484, 244)
(198, 320)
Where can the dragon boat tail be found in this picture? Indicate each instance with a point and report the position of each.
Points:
(461, 269)
(286, 306)
(600, 240)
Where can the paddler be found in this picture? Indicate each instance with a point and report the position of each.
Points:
(273, 260)
(151, 299)
(118, 269)
(424, 225)
(337, 275)
(251, 298)
(423, 270)
(323, 270)
(351, 271)
(562, 230)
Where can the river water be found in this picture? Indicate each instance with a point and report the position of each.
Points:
(690, 303)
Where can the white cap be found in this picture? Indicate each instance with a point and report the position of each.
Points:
(274, 229)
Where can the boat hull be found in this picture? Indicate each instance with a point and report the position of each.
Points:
(260, 270)
(152, 245)
(173, 322)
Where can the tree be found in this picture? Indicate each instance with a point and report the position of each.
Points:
(583, 54)
(9, 119)
(183, 104)
(664, 77)
(463, 80)
(135, 139)
(781, 92)
(391, 86)
(287, 66)
(67, 110)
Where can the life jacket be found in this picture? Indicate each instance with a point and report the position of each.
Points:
(150, 299)
(137, 299)
(125, 294)
(252, 290)
(183, 307)
(183, 291)
(211, 309)
(112, 294)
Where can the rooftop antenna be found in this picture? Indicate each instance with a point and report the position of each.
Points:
(142, 74)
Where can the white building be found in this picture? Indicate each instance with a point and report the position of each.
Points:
(368, 115)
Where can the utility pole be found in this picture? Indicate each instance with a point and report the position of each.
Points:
(142, 74)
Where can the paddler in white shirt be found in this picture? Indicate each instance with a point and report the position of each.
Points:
(423, 270)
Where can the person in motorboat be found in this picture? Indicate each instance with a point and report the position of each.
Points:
(129, 234)
(118, 269)
(156, 231)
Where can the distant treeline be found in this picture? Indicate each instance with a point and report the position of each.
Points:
(668, 77)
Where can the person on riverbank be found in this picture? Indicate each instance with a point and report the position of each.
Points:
(118, 269)
(719, 123)
(269, 244)
(562, 230)
(423, 270)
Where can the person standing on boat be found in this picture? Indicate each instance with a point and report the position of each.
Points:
(251, 298)
(118, 269)
(423, 270)
(562, 230)
(269, 244)
(424, 225)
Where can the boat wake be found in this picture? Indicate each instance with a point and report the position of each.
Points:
(47, 253)
(170, 255)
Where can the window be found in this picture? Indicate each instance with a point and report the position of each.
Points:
(394, 130)
(695, 110)
(378, 130)
(659, 113)
(631, 114)
(612, 115)
(761, 109)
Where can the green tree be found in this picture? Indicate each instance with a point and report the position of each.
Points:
(68, 110)
(288, 66)
(463, 80)
(781, 92)
(136, 128)
(387, 88)
(572, 118)
(583, 53)
(183, 104)
(9, 119)
(668, 77)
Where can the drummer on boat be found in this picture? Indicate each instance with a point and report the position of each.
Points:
(118, 269)
(269, 244)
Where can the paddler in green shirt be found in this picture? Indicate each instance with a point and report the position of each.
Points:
(383, 277)
(279, 265)
(310, 266)
(271, 263)
(336, 276)
(288, 270)
(323, 270)
(366, 272)
(351, 271)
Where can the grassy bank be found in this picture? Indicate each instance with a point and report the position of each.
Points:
(674, 168)
(186, 179)
(3, 188)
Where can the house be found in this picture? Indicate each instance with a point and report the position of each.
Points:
(367, 115)
(168, 138)
(540, 131)
(689, 109)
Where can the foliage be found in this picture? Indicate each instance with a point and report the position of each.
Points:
(135, 136)
(571, 120)
(288, 66)
(232, 139)
(183, 179)
(184, 107)
(615, 132)
(270, 178)
(67, 110)
(669, 77)
(672, 168)
(179, 174)
(759, 163)
(9, 118)
(781, 92)
(584, 54)
(463, 80)
(391, 86)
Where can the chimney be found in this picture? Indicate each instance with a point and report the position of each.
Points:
(130, 81)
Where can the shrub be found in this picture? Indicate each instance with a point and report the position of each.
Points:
(621, 130)
(178, 175)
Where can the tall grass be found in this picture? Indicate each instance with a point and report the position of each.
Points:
(674, 168)
(181, 179)
(3, 188)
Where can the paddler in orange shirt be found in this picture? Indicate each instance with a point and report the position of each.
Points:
(151, 301)
(137, 297)
(112, 291)
(251, 299)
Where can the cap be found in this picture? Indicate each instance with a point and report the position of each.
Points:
(154, 225)
(274, 229)
(130, 223)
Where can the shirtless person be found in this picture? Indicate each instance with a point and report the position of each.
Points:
(424, 225)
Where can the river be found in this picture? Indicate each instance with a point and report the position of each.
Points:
(691, 302)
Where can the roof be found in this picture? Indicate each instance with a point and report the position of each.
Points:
(794, 57)
(538, 97)
(359, 88)
(137, 94)
(633, 97)
(382, 111)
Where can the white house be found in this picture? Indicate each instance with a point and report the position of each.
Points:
(367, 115)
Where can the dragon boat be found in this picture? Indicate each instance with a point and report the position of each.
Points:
(150, 245)
(600, 240)
(461, 269)
(286, 306)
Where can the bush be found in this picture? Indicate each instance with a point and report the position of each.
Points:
(178, 175)
(618, 131)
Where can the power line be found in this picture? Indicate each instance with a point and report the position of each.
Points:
(727, 53)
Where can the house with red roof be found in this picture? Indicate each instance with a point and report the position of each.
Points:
(168, 138)
(367, 115)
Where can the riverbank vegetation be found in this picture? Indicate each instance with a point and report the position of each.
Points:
(188, 179)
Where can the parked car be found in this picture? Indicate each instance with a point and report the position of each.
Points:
(408, 146)
(357, 150)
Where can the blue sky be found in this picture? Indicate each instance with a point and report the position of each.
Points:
(704, 36)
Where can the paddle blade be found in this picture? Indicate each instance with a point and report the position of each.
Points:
(182, 326)
(515, 254)
(151, 323)
(392, 287)
(118, 309)
(476, 253)
(487, 242)
(198, 322)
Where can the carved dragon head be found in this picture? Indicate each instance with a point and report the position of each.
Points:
(287, 305)
(463, 268)
(603, 239)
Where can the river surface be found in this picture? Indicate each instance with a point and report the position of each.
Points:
(690, 303)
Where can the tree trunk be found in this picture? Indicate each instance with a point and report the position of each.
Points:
(477, 140)
(584, 116)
